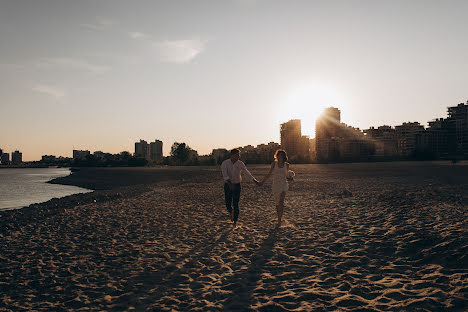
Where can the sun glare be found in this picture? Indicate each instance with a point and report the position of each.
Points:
(307, 102)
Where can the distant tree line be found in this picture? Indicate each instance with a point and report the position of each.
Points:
(123, 159)
(181, 155)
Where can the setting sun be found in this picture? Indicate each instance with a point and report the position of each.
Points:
(307, 102)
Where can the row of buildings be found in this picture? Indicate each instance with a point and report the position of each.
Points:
(336, 141)
(444, 138)
(16, 158)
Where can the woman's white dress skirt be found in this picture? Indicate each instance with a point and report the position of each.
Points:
(280, 184)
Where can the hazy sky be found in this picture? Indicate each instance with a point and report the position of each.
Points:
(100, 75)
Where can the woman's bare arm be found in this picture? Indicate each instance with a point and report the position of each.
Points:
(269, 174)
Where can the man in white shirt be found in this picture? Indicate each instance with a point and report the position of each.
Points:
(232, 169)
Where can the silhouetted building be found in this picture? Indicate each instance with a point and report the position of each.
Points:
(48, 158)
(312, 149)
(407, 134)
(266, 152)
(80, 154)
(142, 149)
(438, 133)
(292, 140)
(327, 133)
(336, 141)
(98, 154)
(155, 150)
(385, 141)
(249, 154)
(447, 138)
(5, 159)
(457, 123)
(16, 157)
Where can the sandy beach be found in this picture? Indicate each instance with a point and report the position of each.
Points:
(356, 237)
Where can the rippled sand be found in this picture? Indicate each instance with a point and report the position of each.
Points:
(356, 237)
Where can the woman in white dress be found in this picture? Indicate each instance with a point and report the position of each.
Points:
(280, 170)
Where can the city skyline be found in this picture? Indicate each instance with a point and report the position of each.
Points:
(100, 75)
(431, 142)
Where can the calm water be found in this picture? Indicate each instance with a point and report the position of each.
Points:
(22, 187)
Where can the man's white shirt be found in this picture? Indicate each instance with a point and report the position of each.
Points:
(232, 171)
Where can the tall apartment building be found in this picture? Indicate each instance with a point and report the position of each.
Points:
(292, 140)
(385, 141)
(16, 157)
(155, 150)
(5, 159)
(336, 141)
(142, 149)
(407, 134)
(438, 138)
(448, 138)
(327, 131)
(457, 123)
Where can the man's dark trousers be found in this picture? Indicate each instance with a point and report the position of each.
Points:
(232, 198)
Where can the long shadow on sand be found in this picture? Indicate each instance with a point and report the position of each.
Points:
(160, 283)
(244, 282)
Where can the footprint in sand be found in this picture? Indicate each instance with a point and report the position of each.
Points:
(284, 224)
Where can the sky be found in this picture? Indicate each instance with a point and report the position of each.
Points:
(103, 74)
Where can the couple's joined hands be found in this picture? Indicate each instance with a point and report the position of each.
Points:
(258, 183)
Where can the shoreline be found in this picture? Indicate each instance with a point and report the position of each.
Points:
(110, 178)
(109, 183)
(134, 180)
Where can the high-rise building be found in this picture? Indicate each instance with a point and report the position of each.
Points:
(142, 149)
(16, 157)
(457, 123)
(335, 141)
(407, 134)
(385, 141)
(5, 159)
(327, 130)
(448, 138)
(155, 150)
(292, 140)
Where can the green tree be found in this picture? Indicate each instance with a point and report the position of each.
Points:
(180, 152)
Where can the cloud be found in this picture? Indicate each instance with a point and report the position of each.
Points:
(101, 23)
(178, 51)
(138, 35)
(53, 91)
(75, 64)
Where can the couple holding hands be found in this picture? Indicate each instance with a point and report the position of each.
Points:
(232, 169)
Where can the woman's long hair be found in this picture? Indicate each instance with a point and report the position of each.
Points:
(281, 152)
